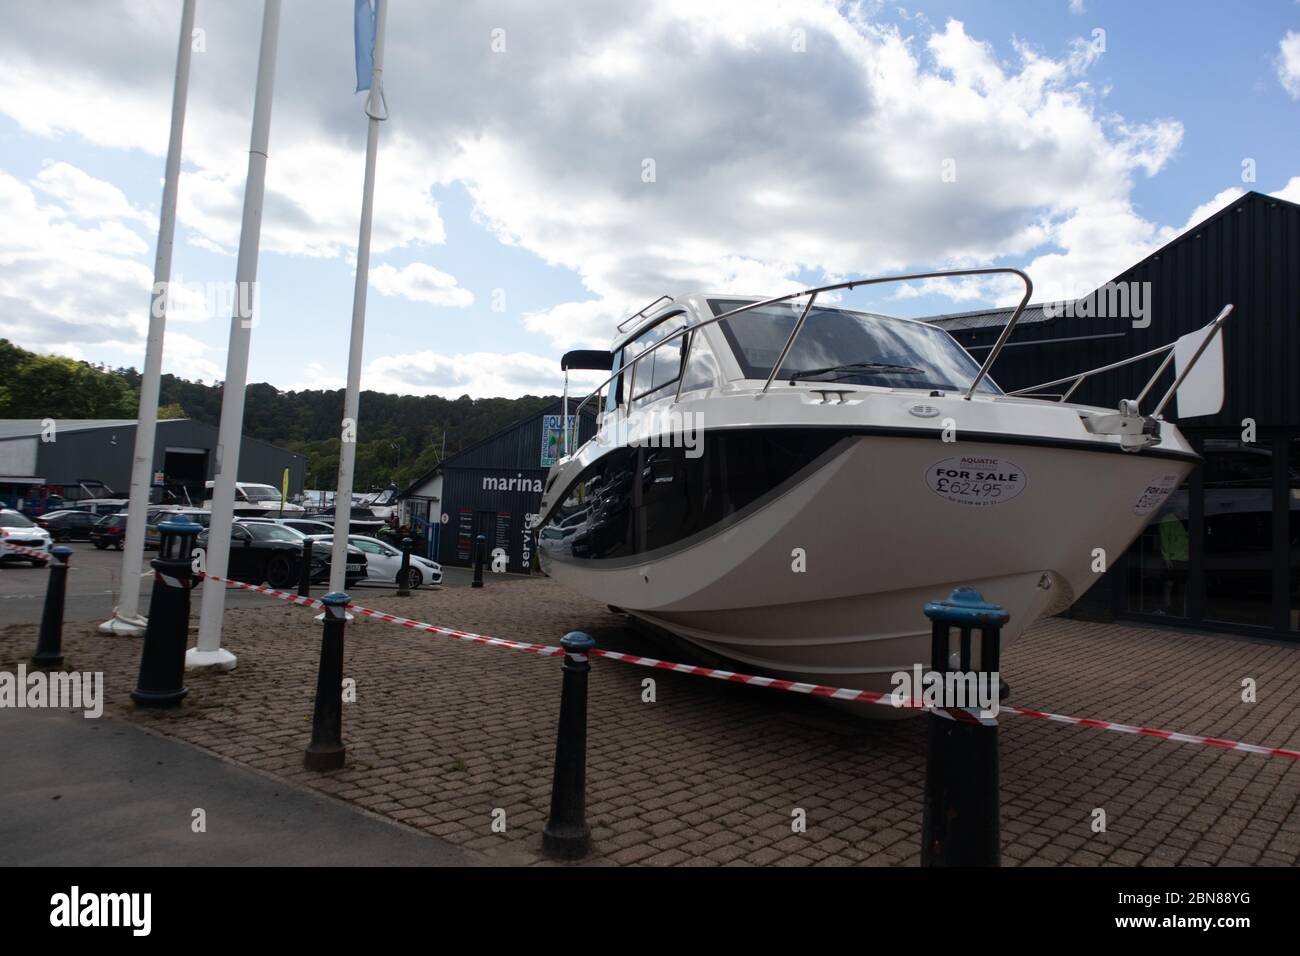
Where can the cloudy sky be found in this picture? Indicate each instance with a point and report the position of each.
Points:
(551, 165)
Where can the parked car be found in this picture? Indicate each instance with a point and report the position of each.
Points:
(384, 563)
(19, 530)
(307, 526)
(68, 525)
(103, 506)
(267, 552)
(156, 516)
(109, 531)
(362, 521)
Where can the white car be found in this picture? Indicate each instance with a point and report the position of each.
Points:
(383, 562)
(17, 529)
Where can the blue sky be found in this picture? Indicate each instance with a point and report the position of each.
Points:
(791, 143)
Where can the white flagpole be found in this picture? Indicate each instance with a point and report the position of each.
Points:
(126, 617)
(209, 652)
(352, 397)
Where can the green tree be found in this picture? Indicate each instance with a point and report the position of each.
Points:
(49, 386)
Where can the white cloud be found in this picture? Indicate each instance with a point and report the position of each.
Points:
(1288, 64)
(420, 283)
(84, 197)
(61, 281)
(770, 164)
(477, 374)
(83, 290)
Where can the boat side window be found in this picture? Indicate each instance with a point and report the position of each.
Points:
(614, 392)
(653, 374)
(702, 369)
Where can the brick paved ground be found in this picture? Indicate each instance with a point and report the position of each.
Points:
(445, 733)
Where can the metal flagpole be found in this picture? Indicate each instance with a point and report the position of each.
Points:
(126, 617)
(352, 397)
(209, 652)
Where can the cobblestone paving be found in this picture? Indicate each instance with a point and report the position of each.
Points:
(444, 733)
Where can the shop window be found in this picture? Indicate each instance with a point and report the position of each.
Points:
(1238, 536)
(1158, 561)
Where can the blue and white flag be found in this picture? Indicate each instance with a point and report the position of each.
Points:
(365, 37)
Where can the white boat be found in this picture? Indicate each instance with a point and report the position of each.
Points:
(785, 486)
(254, 500)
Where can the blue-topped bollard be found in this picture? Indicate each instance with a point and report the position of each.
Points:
(49, 643)
(566, 834)
(162, 658)
(960, 823)
(326, 750)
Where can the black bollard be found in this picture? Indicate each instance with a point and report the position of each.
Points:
(402, 589)
(566, 835)
(326, 750)
(162, 659)
(960, 823)
(304, 568)
(480, 543)
(49, 644)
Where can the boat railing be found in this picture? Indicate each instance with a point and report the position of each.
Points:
(1168, 350)
(623, 326)
(812, 294)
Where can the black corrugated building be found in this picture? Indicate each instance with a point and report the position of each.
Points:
(36, 454)
(1224, 553)
(495, 486)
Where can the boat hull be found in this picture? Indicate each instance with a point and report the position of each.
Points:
(823, 578)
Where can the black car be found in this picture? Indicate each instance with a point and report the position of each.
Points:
(361, 521)
(272, 553)
(68, 525)
(109, 531)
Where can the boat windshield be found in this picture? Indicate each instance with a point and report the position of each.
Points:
(857, 348)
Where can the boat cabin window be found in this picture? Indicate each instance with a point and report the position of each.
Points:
(614, 391)
(702, 369)
(659, 369)
(858, 348)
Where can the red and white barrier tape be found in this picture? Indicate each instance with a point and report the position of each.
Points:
(775, 683)
(546, 650)
(8, 549)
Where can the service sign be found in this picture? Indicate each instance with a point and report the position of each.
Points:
(976, 480)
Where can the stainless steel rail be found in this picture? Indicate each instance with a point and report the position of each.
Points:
(1167, 350)
(799, 324)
